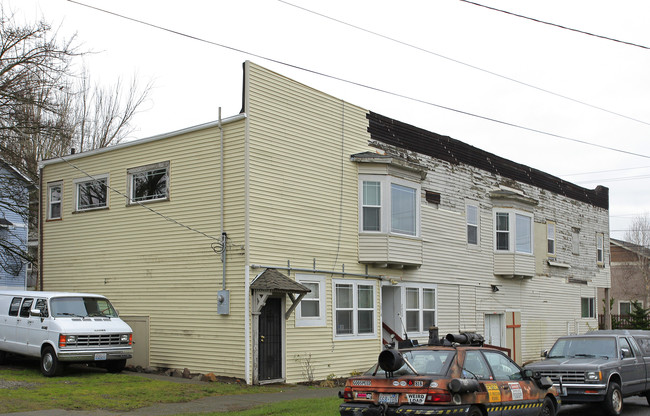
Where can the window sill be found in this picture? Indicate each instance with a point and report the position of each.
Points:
(355, 337)
(558, 264)
(81, 211)
(146, 201)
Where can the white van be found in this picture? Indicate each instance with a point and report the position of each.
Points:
(60, 328)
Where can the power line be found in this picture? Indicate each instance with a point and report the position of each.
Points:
(623, 178)
(464, 63)
(358, 84)
(556, 25)
(604, 171)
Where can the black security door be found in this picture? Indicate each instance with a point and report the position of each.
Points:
(270, 341)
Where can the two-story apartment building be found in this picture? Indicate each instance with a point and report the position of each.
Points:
(14, 206)
(279, 242)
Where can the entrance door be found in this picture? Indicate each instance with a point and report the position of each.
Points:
(494, 329)
(270, 341)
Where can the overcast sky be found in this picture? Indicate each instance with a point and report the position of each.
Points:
(434, 56)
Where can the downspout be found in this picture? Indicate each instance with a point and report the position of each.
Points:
(221, 192)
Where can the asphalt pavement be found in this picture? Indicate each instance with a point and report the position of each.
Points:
(207, 404)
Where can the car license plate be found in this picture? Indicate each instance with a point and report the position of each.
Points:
(100, 356)
(415, 398)
(388, 398)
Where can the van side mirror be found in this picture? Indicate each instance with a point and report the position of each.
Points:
(35, 312)
(544, 354)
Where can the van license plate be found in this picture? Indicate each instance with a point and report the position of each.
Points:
(388, 398)
(100, 357)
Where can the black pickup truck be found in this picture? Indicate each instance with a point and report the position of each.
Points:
(600, 366)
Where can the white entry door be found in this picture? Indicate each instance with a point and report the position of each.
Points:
(494, 329)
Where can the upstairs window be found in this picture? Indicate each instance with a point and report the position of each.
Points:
(513, 231)
(149, 183)
(371, 206)
(54, 200)
(388, 205)
(471, 213)
(550, 238)
(600, 254)
(92, 193)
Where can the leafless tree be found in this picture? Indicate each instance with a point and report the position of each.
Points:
(46, 109)
(638, 236)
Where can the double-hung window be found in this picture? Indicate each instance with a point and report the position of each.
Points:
(420, 308)
(600, 244)
(389, 205)
(148, 183)
(471, 213)
(587, 308)
(311, 309)
(354, 309)
(550, 238)
(54, 200)
(513, 231)
(91, 193)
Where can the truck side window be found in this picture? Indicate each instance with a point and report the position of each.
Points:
(27, 305)
(41, 305)
(626, 350)
(15, 306)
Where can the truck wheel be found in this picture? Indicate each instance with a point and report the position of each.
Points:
(647, 396)
(614, 400)
(3, 357)
(115, 366)
(50, 365)
(548, 408)
(474, 411)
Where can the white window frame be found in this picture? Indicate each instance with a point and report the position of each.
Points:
(355, 309)
(551, 232)
(319, 320)
(386, 182)
(132, 172)
(512, 230)
(591, 306)
(50, 202)
(421, 287)
(468, 207)
(96, 178)
(600, 249)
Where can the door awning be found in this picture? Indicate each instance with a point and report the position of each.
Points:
(272, 281)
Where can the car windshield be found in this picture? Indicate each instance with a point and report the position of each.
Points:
(587, 347)
(424, 361)
(82, 307)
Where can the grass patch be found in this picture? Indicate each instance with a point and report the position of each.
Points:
(313, 407)
(24, 389)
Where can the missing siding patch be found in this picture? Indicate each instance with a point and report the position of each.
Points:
(432, 197)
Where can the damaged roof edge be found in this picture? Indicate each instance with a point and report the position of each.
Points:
(162, 136)
(409, 137)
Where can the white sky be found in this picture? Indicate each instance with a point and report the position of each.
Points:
(192, 79)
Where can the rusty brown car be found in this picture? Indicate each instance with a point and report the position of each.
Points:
(451, 376)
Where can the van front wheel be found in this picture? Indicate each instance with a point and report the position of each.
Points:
(115, 366)
(50, 365)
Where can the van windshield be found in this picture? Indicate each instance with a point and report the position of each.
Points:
(82, 307)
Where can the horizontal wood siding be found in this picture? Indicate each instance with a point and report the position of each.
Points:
(150, 266)
(303, 202)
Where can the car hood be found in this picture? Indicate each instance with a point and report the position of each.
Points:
(92, 325)
(568, 363)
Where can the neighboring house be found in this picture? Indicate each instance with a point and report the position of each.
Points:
(14, 207)
(277, 243)
(627, 262)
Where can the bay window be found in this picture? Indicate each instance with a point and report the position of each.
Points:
(389, 205)
(513, 231)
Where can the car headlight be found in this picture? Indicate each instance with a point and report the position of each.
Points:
(125, 339)
(67, 340)
(593, 376)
